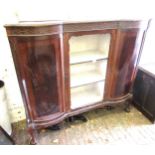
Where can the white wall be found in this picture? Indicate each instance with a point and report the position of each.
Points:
(148, 54)
(7, 70)
(83, 9)
(15, 10)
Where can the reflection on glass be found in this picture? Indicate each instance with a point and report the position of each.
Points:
(88, 62)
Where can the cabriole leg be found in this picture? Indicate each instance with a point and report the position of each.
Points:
(77, 118)
(33, 134)
(127, 107)
(54, 127)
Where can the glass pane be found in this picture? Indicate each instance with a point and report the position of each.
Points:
(89, 48)
(87, 94)
(88, 63)
(87, 73)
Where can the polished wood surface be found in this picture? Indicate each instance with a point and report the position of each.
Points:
(124, 61)
(48, 27)
(33, 31)
(42, 61)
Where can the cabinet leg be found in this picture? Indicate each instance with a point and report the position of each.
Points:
(32, 133)
(54, 127)
(77, 118)
(70, 119)
(127, 107)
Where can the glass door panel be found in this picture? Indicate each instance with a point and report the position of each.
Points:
(88, 63)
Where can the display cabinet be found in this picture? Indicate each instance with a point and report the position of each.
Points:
(67, 68)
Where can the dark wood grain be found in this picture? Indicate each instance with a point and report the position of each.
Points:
(33, 31)
(40, 73)
(124, 60)
(143, 93)
(92, 26)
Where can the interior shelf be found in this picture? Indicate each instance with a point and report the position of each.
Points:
(89, 48)
(88, 63)
(85, 56)
(86, 95)
(82, 74)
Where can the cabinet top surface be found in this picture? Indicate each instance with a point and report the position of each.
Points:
(38, 28)
(59, 22)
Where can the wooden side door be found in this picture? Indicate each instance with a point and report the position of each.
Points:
(38, 64)
(123, 62)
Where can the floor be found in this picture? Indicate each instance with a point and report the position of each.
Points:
(103, 127)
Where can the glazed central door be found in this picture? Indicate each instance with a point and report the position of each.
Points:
(88, 63)
(41, 70)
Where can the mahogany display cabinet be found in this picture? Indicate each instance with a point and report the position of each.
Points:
(67, 68)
